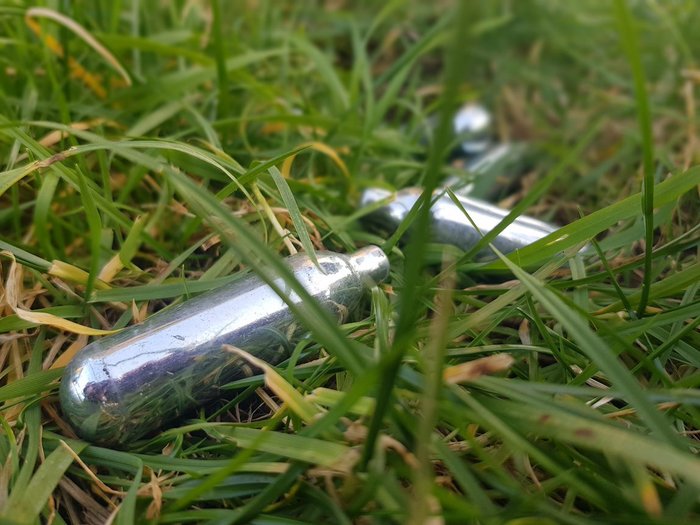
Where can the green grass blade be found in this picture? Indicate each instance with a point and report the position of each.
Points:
(221, 70)
(410, 307)
(24, 507)
(31, 385)
(594, 347)
(598, 221)
(294, 213)
(95, 229)
(611, 439)
(630, 43)
(300, 448)
(325, 69)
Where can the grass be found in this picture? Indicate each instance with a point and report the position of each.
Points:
(153, 151)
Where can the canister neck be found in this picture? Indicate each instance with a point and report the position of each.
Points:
(371, 262)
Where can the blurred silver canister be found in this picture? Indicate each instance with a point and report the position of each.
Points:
(449, 224)
(126, 385)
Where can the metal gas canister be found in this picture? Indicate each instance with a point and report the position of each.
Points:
(123, 386)
(449, 224)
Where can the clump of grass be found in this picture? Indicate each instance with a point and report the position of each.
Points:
(153, 152)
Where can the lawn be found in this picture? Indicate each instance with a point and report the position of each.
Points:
(151, 151)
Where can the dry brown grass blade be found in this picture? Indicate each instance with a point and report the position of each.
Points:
(74, 274)
(54, 137)
(282, 389)
(321, 148)
(97, 481)
(465, 372)
(13, 299)
(80, 31)
(70, 352)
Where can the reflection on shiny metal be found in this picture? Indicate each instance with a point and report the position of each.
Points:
(123, 386)
(472, 124)
(497, 158)
(449, 224)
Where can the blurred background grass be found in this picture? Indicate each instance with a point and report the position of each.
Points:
(108, 109)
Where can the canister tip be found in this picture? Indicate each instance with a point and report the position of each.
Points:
(372, 262)
(372, 195)
(473, 124)
(83, 394)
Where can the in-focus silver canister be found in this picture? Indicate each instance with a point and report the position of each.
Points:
(449, 224)
(126, 385)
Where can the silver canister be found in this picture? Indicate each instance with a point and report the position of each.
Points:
(482, 155)
(449, 224)
(472, 125)
(126, 385)
(501, 159)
